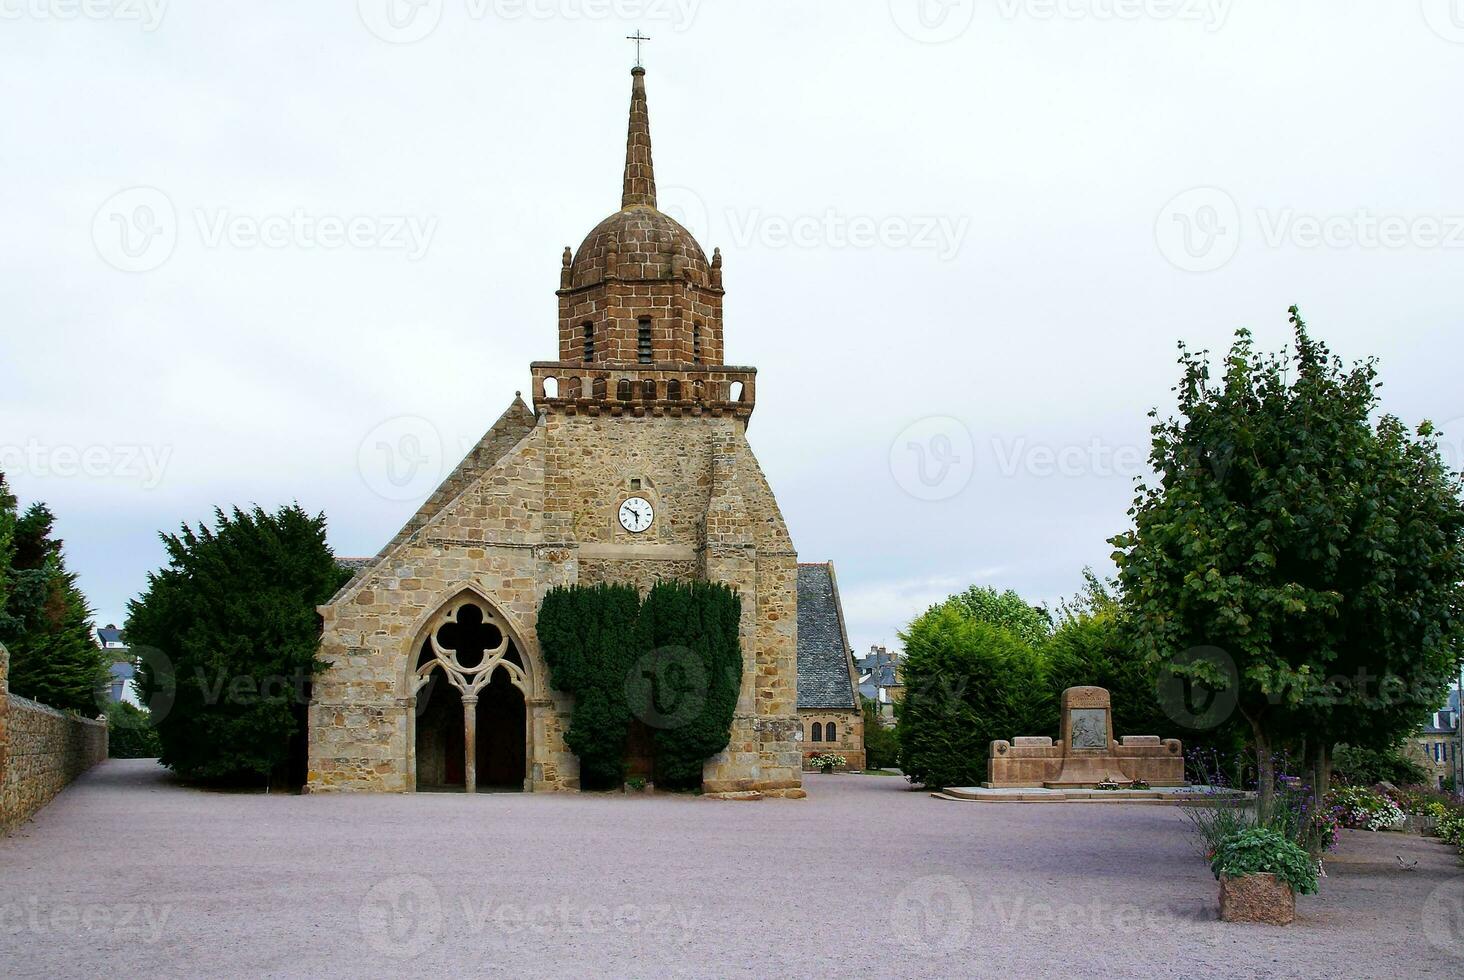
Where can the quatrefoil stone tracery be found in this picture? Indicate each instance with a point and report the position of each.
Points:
(469, 680)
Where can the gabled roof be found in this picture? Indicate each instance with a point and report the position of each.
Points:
(823, 645)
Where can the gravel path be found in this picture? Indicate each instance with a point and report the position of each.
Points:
(127, 873)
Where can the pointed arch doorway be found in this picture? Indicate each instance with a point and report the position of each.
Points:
(471, 690)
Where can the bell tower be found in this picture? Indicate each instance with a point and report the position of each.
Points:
(640, 309)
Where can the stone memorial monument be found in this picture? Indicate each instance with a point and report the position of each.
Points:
(1086, 753)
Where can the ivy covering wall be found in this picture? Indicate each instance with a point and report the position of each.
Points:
(672, 660)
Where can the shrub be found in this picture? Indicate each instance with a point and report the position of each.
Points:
(1092, 650)
(673, 661)
(130, 733)
(967, 684)
(587, 634)
(828, 762)
(1367, 767)
(1260, 850)
(689, 675)
(1364, 809)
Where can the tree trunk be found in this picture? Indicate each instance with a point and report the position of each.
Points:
(1321, 770)
(1265, 773)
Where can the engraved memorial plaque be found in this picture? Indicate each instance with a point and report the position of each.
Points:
(1089, 728)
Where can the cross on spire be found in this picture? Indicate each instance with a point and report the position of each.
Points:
(639, 39)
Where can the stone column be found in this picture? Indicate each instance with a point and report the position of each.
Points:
(470, 742)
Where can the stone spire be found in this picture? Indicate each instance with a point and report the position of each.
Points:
(640, 173)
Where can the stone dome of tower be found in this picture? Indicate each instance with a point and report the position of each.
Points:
(641, 243)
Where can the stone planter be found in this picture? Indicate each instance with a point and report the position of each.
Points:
(1257, 898)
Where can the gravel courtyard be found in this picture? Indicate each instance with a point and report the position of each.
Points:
(127, 873)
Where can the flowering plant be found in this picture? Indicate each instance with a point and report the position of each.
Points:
(1364, 809)
(828, 762)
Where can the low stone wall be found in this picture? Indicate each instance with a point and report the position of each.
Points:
(41, 751)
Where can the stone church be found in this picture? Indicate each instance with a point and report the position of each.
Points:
(633, 465)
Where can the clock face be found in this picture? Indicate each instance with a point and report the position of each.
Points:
(636, 515)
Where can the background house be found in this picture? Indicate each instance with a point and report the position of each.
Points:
(1436, 747)
(881, 681)
(123, 665)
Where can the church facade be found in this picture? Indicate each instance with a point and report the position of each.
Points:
(632, 466)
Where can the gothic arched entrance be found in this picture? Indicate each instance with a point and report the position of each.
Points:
(471, 689)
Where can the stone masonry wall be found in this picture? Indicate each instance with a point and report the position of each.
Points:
(41, 751)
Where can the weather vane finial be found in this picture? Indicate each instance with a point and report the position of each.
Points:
(639, 39)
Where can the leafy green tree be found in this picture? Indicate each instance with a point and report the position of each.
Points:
(967, 683)
(1007, 610)
(1293, 535)
(1094, 650)
(45, 620)
(228, 636)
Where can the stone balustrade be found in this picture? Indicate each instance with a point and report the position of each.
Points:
(673, 389)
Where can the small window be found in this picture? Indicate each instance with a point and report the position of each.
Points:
(817, 731)
(696, 344)
(589, 342)
(831, 733)
(643, 341)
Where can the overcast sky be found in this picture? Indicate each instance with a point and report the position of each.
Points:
(245, 243)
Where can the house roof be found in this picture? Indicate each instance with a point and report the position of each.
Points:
(823, 646)
(109, 634)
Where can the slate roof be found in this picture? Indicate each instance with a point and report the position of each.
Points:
(823, 647)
